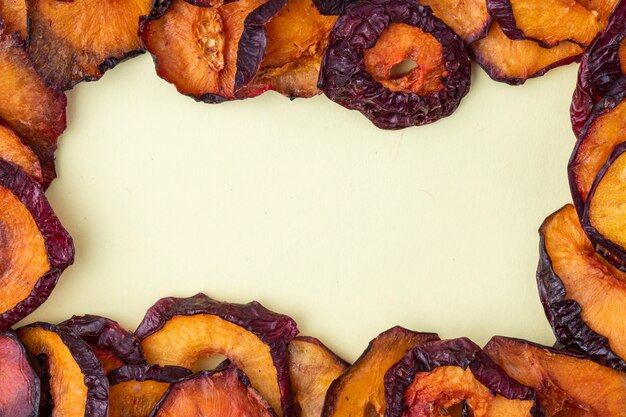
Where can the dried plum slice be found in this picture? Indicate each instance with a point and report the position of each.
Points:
(136, 389)
(78, 385)
(365, 48)
(584, 297)
(435, 377)
(360, 390)
(13, 14)
(566, 384)
(513, 62)
(209, 53)
(34, 248)
(20, 397)
(470, 19)
(69, 43)
(113, 345)
(13, 150)
(312, 368)
(182, 331)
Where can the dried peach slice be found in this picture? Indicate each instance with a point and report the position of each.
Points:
(470, 19)
(20, 387)
(12, 149)
(13, 14)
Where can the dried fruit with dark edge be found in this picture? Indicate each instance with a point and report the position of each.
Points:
(34, 248)
(182, 331)
(332, 7)
(13, 150)
(312, 368)
(365, 48)
(208, 51)
(13, 13)
(113, 345)
(360, 391)
(74, 41)
(20, 388)
(78, 385)
(567, 384)
(584, 297)
(224, 392)
(470, 19)
(135, 389)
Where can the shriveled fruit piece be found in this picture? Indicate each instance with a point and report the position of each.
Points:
(34, 247)
(584, 297)
(515, 61)
(433, 378)
(78, 385)
(208, 51)
(360, 391)
(312, 368)
(182, 331)
(135, 389)
(113, 345)
(20, 388)
(367, 46)
(224, 392)
(332, 7)
(470, 19)
(13, 14)
(74, 41)
(566, 384)
(12, 149)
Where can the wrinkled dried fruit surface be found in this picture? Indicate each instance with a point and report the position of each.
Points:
(566, 385)
(12, 149)
(431, 90)
(515, 61)
(77, 382)
(73, 41)
(13, 14)
(470, 19)
(584, 297)
(20, 388)
(182, 331)
(34, 248)
(360, 391)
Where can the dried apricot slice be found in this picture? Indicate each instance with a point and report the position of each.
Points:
(470, 19)
(20, 389)
(13, 14)
(12, 149)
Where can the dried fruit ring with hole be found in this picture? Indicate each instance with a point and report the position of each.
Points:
(366, 46)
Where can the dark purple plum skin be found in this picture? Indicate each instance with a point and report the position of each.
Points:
(332, 7)
(58, 242)
(455, 352)
(275, 330)
(147, 373)
(27, 371)
(345, 79)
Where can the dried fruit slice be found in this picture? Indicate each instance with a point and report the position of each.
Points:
(20, 389)
(136, 389)
(34, 249)
(312, 368)
(584, 297)
(470, 19)
(370, 41)
(225, 392)
(12, 149)
(182, 331)
(360, 390)
(13, 14)
(67, 41)
(77, 382)
(208, 53)
(566, 384)
(113, 345)
(513, 62)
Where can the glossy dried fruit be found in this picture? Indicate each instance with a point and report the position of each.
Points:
(566, 384)
(365, 48)
(74, 41)
(312, 368)
(182, 331)
(584, 297)
(470, 19)
(332, 7)
(20, 388)
(13, 14)
(34, 249)
(78, 385)
(12, 149)
(360, 391)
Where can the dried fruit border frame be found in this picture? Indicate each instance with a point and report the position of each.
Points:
(353, 52)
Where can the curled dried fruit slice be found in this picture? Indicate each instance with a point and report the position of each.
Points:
(136, 389)
(433, 378)
(13, 14)
(224, 392)
(182, 331)
(370, 41)
(20, 388)
(470, 19)
(78, 385)
(312, 368)
(113, 345)
(566, 384)
(74, 41)
(360, 390)
(34, 249)
(12, 149)
(584, 297)
(209, 52)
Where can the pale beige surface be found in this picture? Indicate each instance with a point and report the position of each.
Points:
(310, 209)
